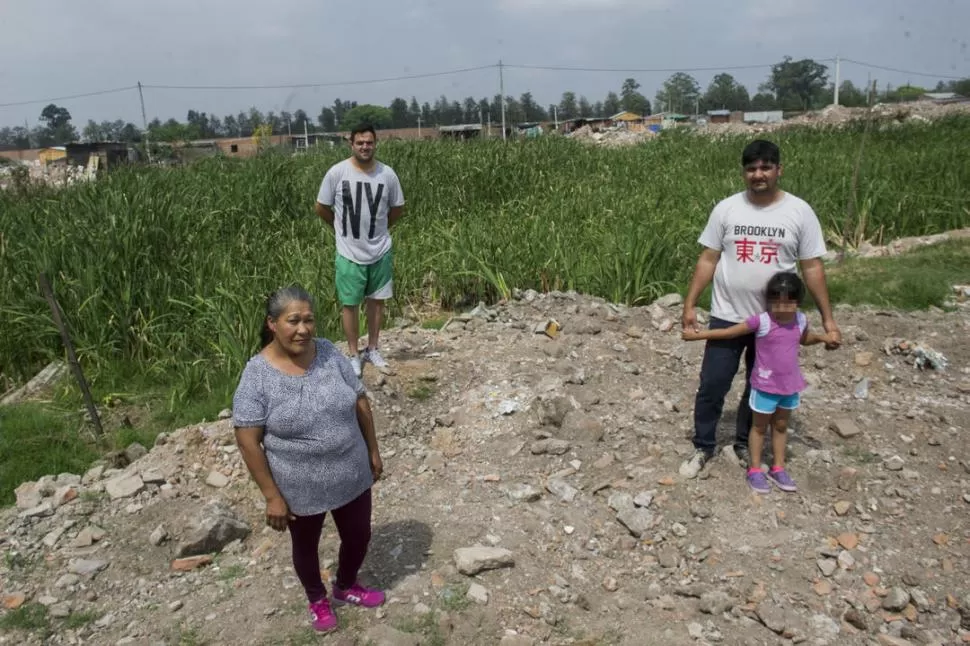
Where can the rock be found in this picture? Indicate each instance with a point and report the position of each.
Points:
(553, 411)
(610, 584)
(827, 566)
(845, 427)
(28, 495)
(579, 426)
(886, 639)
(215, 527)
(895, 463)
(60, 610)
(190, 563)
(842, 507)
(517, 640)
(92, 475)
(637, 520)
(175, 606)
(477, 593)
(217, 480)
(846, 560)
(135, 451)
(384, 635)
(823, 626)
(644, 498)
(863, 359)
(88, 536)
(86, 567)
(772, 616)
(158, 536)
(678, 530)
(670, 300)
(524, 493)
(64, 495)
(848, 540)
(668, 557)
(715, 603)
(562, 489)
(472, 560)
(13, 601)
(847, 478)
(549, 446)
(695, 630)
(620, 500)
(124, 486)
(896, 600)
(856, 619)
(43, 509)
(152, 476)
(822, 588)
(861, 390)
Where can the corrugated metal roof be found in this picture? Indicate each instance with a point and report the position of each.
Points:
(464, 127)
(719, 113)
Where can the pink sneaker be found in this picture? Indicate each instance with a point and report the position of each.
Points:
(358, 595)
(321, 616)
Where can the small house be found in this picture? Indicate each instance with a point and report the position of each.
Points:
(52, 154)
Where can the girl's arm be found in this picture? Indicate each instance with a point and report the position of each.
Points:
(733, 332)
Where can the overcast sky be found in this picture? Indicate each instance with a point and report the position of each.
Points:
(59, 48)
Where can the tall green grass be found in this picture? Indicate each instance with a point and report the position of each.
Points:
(163, 270)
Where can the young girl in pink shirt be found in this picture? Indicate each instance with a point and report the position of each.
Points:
(776, 381)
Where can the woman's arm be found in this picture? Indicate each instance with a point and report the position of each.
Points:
(733, 332)
(249, 440)
(365, 419)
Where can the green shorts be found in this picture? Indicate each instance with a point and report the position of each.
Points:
(356, 282)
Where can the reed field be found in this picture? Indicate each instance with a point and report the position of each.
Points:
(162, 272)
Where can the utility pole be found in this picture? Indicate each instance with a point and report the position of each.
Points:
(838, 70)
(419, 126)
(555, 116)
(144, 124)
(501, 91)
(488, 124)
(306, 137)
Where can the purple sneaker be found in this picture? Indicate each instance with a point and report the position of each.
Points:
(358, 595)
(782, 480)
(758, 481)
(321, 616)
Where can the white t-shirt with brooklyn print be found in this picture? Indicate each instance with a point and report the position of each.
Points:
(361, 202)
(755, 244)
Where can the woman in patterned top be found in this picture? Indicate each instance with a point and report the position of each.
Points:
(305, 430)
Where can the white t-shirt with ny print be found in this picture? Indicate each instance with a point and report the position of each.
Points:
(361, 202)
(755, 244)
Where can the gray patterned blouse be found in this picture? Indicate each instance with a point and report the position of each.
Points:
(313, 443)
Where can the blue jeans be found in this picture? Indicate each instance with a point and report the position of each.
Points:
(720, 365)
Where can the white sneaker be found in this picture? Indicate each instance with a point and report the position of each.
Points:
(355, 364)
(371, 355)
(694, 464)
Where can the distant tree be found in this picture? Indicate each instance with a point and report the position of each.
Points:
(611, 105)
(456, 113)
(513, 111)
(414, 112)
(631, 100)
(215, 126)
(376, 115)
(680, 93)
(399, 113)
(469, 109)
(568, 108)
(59, 130)
(763, 101)
(427, 115)
(797, 84)
(585, 109)
(230, 126)
(486, 109)
(851, 96)
(725, 93)
(327, 120)
(961, 87)
(530, 109)
(598, 110)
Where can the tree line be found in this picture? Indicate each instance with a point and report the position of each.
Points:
(791, 86)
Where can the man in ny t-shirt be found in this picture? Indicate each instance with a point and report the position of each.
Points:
(749, 237)
(361, 198)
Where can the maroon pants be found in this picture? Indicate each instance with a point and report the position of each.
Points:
(353, 527)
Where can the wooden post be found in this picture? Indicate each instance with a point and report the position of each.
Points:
(71, 356)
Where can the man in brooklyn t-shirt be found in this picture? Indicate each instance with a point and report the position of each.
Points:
(361, 198)
(749, 237)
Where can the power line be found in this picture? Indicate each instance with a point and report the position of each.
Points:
(73, 96)
(314, 85)
(719, 68)
(899, 71)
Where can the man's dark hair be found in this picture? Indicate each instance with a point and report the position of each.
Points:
(785, 284)
(361, 129)
(761, 150)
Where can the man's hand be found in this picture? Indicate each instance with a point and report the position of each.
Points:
(833, 333)
(690, 335)
(278, 514)
(688, 319)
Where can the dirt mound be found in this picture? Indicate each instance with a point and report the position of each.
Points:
(611, 137)
(560, 455)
